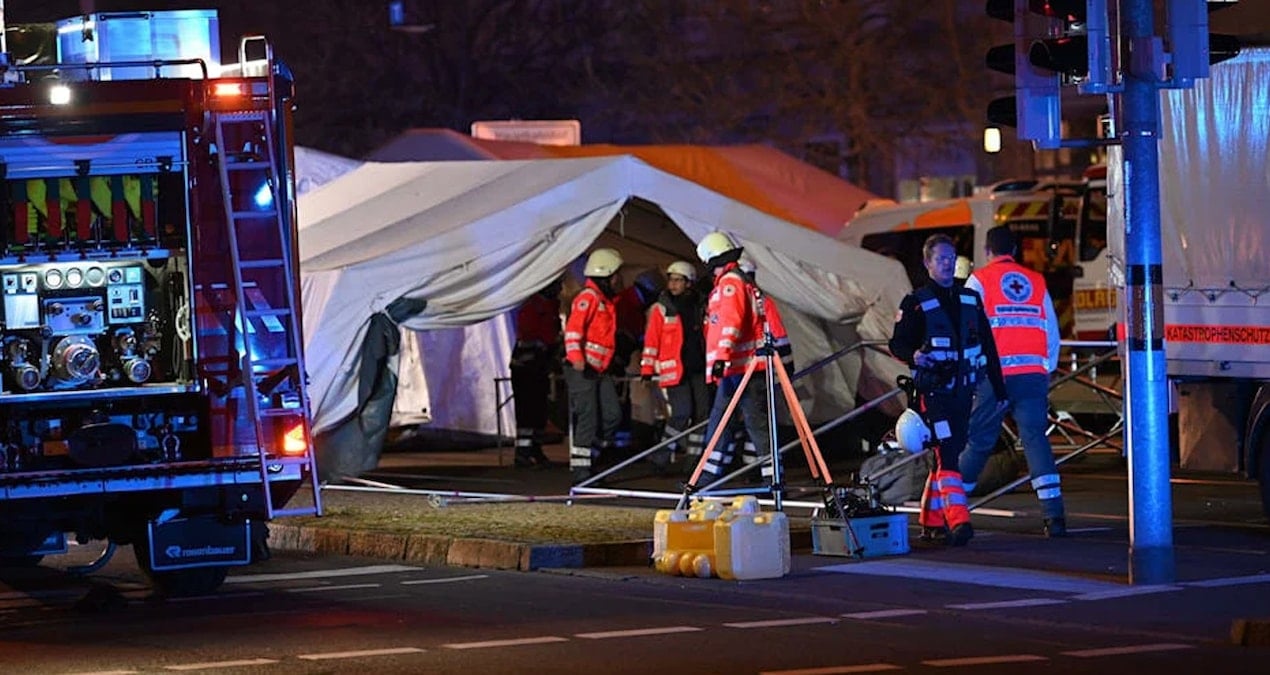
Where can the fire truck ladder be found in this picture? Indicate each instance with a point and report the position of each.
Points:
(260, 240)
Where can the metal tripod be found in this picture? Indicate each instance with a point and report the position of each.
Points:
(775, 373)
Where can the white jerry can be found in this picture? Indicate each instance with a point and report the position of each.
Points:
(749, 545)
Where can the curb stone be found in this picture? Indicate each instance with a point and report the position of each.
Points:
(1250, 632)
(457, 552)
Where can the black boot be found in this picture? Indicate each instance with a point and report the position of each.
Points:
(1056, 528)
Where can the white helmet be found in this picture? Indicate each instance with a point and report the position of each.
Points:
(713, 245)
(684, 269)
(963, 268)
(603, 262)
(911, 431)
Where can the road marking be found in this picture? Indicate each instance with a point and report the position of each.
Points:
(884, 614)
(1126, 592)
(446, 580)
(222, 664)
(1229, 581)
(638, 632)
(980, 575)
(1117, 651)
(318, 589)
(984, 660)
(777, 623)
(1006, 604)
(320, 574)
(359, 654)
(546, 639)
(835, 670)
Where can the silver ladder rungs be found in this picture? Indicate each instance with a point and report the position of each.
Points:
(263, 263)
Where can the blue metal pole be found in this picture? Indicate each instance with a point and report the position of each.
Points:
(1146, 395)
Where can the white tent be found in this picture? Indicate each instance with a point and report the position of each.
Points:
(474, 239)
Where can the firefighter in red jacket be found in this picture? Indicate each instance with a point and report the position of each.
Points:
(534, 356)
(734, 336)
(590, 339)
(674, 354)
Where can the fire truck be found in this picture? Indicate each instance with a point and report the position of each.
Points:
(152, 387)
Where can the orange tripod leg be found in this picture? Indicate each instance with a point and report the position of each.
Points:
(723, 424)
(810, 448)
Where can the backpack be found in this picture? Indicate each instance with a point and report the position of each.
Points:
(904, 484)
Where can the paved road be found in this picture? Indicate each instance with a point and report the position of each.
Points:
(1011, 600)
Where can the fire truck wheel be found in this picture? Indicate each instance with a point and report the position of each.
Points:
(191, 582)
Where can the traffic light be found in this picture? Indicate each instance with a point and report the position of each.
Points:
(1035, 109)
(1192, 47)
(1078, 45)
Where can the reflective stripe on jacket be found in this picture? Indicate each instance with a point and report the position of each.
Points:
(734, 330)
(949, 342)
(1020, 313)
(663, 345)
(590, 334)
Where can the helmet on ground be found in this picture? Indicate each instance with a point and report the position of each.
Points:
(713, 245)
(682, 268)
(963, 268)
(603, 262)
(911, 431)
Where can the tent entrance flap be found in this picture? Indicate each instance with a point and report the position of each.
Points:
(353, 446)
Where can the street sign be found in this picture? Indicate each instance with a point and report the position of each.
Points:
(542, 132)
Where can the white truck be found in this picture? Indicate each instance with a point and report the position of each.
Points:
(1215, 223)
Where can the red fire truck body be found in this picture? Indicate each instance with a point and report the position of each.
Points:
(152, 386)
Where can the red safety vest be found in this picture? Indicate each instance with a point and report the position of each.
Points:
(734, 331)
(663, 345)
(590, 334)
(1014, 300)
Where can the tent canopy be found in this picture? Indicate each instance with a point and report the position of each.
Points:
(476, 238)
(758, 175)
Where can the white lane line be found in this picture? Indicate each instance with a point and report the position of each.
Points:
(1229, 581)
(221, 596)
(1006, 604)
(983, 660)
(323, 656)
(445, 580)
(546, 639)
(777, 623)
(1117, 651)
(836, 670)
(222, 664)
(319, 589)
(320, 574)
(1126, 592)
(979, 575)
(884, 614)
(638, 632)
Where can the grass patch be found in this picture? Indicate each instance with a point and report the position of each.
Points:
(529, 523)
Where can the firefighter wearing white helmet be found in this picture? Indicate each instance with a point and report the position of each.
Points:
(942, 332)
(736, 328)
(675, 356)
(590, 338)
